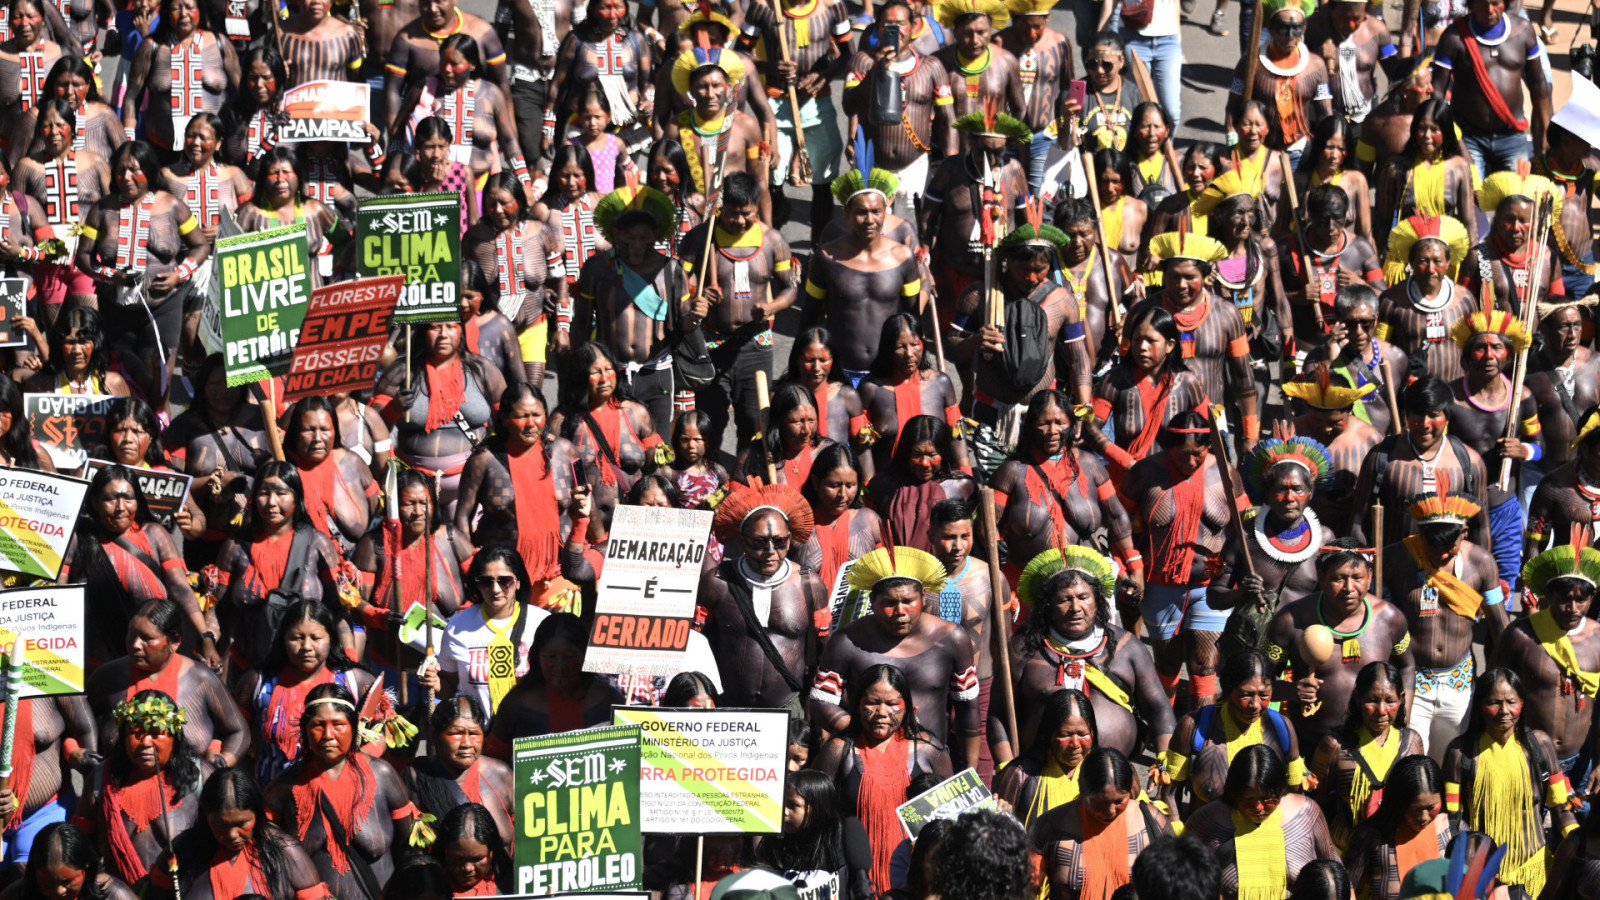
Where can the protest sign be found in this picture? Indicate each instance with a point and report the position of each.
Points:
(164, 492)
(418, 236)
(51, 621)
(644, 604)
(266, 281)
(578, 812)
(37, 513)
(326, 111)
(711, 771)
(68, 425)
(13, 305)
(946, 800)
(345, 328)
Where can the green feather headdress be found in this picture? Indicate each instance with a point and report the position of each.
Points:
(1575, 560)
(154, 713)
(864, 178)
(990, 120)
(633, 197)
(1048, 563)
(1036, 230)
(1308, 454)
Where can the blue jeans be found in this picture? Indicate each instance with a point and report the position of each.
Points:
(1577, 281)
(1498, 151)
(1505, 534)
(1247, 13)
(1038, 152)
(1164, 57)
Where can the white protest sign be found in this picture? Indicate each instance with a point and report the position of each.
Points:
(51, 621)
(37, 513)
(644, 603)
(1581, 114)
(326, 111)
(710, 771)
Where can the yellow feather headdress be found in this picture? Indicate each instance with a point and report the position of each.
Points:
(890, 562)
(948, 11)
(1405, 235)
(1231, 183)
(1320, 391)
(703, 55)
(1186, 245)
(1494, 321)
(1445, 506)
(1500, 185)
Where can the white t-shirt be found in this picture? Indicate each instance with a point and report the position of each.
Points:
(1164, 21)
(465, 653)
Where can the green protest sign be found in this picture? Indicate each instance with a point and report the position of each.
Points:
(266, 282)
(578, 812)
(946, 800)
(418, 236)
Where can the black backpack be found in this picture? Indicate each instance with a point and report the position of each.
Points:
(1027, 339)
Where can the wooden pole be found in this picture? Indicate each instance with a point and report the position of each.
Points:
(764, 401)
(800, 153)
(699, 862)
(713, 202)
(1225, 471)
(1290, 192)
(997, 603)
(269, 415)
(1377, 550)
(1252, 53)
(1389, 394)
(1113, 312)
(1141, 80)
(1540, 252)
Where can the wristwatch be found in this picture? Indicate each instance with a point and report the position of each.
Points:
(208, 636)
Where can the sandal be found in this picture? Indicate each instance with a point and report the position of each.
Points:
(1219, 24)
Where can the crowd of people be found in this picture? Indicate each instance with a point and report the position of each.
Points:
(1228, 507)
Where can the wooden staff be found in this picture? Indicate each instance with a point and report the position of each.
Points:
(938, 339)
(427, 592)
(269, 415)
(997, 603)
(1389, 395)
(1252, 54)
(800, 153)
(1290, 192)
(764, 401)
(713, 202)
(1113, 313)
(1543, 214)
(1141, 79)
(1225, 471)
(1377, 550)
(699, 862)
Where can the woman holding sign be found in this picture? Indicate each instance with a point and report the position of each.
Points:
(133, 439)
(279, 199)
(125, 559)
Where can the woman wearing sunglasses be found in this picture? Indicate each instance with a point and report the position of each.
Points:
(498, 629)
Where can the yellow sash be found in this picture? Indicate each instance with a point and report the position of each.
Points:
(1457, 594)
(1261, 857)
(1106, 686)
(1427, 188)
(502, 657)
(1556, 643)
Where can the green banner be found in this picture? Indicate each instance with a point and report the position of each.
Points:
(266, 283)
(418, 236)
(578, 812)
(947, 800)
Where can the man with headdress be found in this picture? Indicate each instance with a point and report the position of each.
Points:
(716, 136)
(1330, 418)
(937, 657)
(972, 197)
(1512, 202)
(754, 279)
(1424, 458)
(815, 33)
(1045, 66)
(858, 281)
(707, 25)
(1423, 300)
(765, 613)
(1027, 257)
(1284, 533)
(1180, 507)
(1483, 410)
(1564, 376)
(981, 71)
(623, 294)
(1070, 643)
(1353, 44)
(1365, 629)
(1570, 494)
(1291, 81)
(1444, 584)
(1212, 336)
(1556, 653)
(902, 141)
(1480, 61)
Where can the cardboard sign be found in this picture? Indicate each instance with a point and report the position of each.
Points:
(644, 604)
(326, 111)
(711, 771)
(266, 282)
(418, 236)
(51, 621)
(68, 425)
(13, 305)
(37, 513)
(949, 799)
(164, 492)
(342, 336)
(578, 812)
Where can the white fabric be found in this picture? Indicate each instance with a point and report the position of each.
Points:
(1164, 20)
(465, 653)
(1439, 716)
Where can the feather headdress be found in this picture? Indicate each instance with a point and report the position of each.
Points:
(1414, 229)
(1186, 245)
(705, 55)
(891, 563)
(1321, 393)
(1466, 874)
(1575, 560)
(743, 502)
(1270, 8)
(704, 13)
(1079, 559)
(992, 122)
(1035, 230)
(1304, 452)
(630, 197)
(1586, 428)
(1030, 7)
(1229, 184)
(864, 179)
(1491, 320)
(949, 12)
(1503, 185)
(1445, 506)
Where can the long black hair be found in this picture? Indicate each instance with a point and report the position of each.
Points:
(818, 845)
(1411, 777)
(304, 407)
(686, 686)
(572, 397)
(58, 105)
(1038, 404)
(1058, 708)
(883, 673)
(72, 849)
(265, 161)
(814, 336)
(1444, 117)
(473, 820)
(334, 696)
(123, 409)
(918, 430)
(1321, 133)
(277, 658)
(18, 439)
(670, 150)
(1486, 682)
(786, 398)
(433, 783)
(1160, 318)
(1255, 766)
(234, 788)
(893, 327)
(560, 626)
(1373, 673)
(506, 554)
(88, 324)
(830, 459)
(103, 478)
(182, 770)
(566, 154)
(286, 472)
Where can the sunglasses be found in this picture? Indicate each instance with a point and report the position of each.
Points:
(1363, 324)
(505, 582)
(1103, 65)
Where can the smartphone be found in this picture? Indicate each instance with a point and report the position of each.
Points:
(580, 474)
(891, 36)
(1078, 91)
